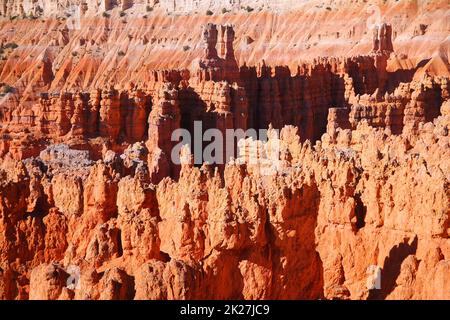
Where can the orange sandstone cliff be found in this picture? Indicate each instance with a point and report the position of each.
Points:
(355, 95)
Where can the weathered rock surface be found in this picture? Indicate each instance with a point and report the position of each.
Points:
(312, 229)
(353, 189)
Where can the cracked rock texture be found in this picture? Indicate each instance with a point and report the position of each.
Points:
(349, 198)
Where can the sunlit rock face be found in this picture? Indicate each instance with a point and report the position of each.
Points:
(347, 198)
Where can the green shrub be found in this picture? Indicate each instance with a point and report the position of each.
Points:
(106, 14)
(11, 45)
(209, 13)
(7, 89)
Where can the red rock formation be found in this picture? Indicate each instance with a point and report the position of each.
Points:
(426, 99)
(163, 120)
(250, 98)
(80, 114)
(110, 114)
(136, 115)
(284, 224)
(211, 66)
(94, 112)
(338, 118)
(382, 39)
(354, 183)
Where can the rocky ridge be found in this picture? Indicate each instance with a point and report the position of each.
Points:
(91, 206)
(356, 198)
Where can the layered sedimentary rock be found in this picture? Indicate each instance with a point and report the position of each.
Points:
(347, 199)
(136, 114)
(183, 6)
(356, 201)
(78, 58)
(163, 120)
(401, 110)
(382, 39)
(212, 66)
(250, 97)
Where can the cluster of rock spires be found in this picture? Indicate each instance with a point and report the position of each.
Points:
(333, 92)
(363, 182)
(357, 198)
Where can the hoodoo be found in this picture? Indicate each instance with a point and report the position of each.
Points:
(343, 193)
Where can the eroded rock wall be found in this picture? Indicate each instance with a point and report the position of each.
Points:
(311, 230)
(352, 190)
